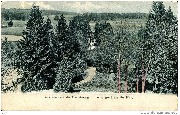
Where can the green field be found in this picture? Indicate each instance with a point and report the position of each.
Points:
(132, 25)
(19, 25)
(17, 31)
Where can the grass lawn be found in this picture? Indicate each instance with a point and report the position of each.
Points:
(17, 31)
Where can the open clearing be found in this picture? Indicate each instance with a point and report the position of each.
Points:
(48, 100)
(11, 37)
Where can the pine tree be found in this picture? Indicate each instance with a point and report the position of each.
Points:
(37, 53)
(72, 66)
(126, 47)
(160, 41)
(105, 47)
(62, 35)
(102, 29)
(170, 32)
(6, 56)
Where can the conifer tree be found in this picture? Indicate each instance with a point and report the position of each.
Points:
(159, 46)
(105, 49)
(71, 66)
(37, 53)
(62, 35)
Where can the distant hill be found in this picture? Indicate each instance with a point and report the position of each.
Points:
(23, 14)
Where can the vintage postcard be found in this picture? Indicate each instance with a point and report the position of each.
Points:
(89, 55)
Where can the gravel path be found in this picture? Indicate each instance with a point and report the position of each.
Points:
(91, 72)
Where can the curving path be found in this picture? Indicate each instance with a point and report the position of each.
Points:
(91, 72)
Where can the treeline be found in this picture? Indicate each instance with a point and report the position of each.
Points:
(14, 14)
(114, 16)
(23, 14)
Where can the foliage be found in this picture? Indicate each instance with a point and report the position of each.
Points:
(102, 82)
(23, 14)
(10, 24)
(159, 46)
(37, 53)
(105, 47)
(14, 14)
(10, 81)
(58, 58)
(114, 16)
(72, 64)
(56, 17)
(8, 55)
(9, 61)
(69, 72)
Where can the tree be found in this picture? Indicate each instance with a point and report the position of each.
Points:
(159, 45)
(62, 35)
(126, 48)
(172, 26)
(6, 56)
(56, 17)
(72, 65)
(10, 24)
(82, 32)
(38, 53)
(105, 48)
(101, 29)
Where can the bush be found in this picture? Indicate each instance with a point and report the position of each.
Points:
(101, 82)
(10, 81)
(56, 17)
(10, 24)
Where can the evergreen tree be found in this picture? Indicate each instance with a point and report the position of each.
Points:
(105, 47)
(126, 47)
(38, 53)
(102, 29)
(159, 46)
(82, 32)
(10, 24)
(62, 35)
(72, 66)
(6, 56)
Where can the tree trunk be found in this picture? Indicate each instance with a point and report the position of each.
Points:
(143, 77)
(119, 74)
(126, 84)
(137, 86)
(137, 81)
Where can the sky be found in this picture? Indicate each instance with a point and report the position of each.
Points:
(91, 6)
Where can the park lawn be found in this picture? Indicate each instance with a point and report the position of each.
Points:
(17, 31)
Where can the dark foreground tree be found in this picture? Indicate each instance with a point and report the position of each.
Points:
(38, 53)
